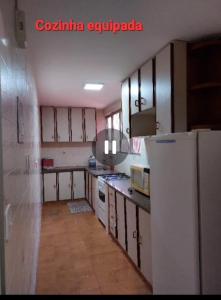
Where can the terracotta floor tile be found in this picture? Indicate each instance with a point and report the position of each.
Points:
(77, 257)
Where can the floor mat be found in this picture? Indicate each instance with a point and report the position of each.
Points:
(78, 207)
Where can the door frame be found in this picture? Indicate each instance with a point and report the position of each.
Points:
(2, 217)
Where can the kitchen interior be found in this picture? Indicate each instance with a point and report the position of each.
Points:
(111, 150)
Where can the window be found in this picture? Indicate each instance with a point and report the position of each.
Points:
(114, 123)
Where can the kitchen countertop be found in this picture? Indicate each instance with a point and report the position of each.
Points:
(139, 199)
(95, 172)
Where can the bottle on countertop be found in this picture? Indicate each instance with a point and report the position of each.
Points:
(92, 162)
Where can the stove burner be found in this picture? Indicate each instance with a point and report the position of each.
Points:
(118, 176)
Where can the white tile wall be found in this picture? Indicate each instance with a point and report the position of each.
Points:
(21, 189)
(68, 156)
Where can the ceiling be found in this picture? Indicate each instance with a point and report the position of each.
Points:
(64, 61)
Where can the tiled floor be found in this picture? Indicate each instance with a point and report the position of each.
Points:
(78, 257)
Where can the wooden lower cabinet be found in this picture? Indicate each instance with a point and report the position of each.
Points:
(50, 187)
(90, 189)
(94, 193)
(78, 185)
(130, 226)
(121, 233)
(145, 245)
(86, 185)
(64, 183)
(132, 231)
(112, 213)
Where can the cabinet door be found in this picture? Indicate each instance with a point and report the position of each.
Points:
(131, 231)
(146, 86)
(95, 194)
(163, 91)
(112, 212)
(121, 220)
(62, 125)
(125, 103)
(90, 189)
(76, 125)
(78, 184)
(90, 124)
(50, 187)
(134, 93)
(145, 244)
(64, 181)
(48, 124)
(86, 184)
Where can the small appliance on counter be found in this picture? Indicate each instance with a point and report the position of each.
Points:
(140, 179)
(92, 162)
(47, 163)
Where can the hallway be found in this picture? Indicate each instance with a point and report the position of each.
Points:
(78, 257)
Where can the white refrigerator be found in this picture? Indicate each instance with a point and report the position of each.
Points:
(185, 185)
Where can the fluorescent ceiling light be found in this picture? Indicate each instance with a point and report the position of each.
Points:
(93, 86)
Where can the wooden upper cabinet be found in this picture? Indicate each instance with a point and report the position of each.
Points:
(125, 104)
(134, 93)
(171, 88)
(90, 124)
(147, 86)
(164, 90)
(62, 125)
(76, 124)
(48, 124)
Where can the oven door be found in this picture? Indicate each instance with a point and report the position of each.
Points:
(102, 196)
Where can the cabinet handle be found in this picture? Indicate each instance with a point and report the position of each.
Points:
(137, 103)
(140, 240)
(157, 125)
(143, 101)
(128, 131)
(135, 234)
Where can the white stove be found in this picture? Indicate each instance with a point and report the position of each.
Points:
(103, 195)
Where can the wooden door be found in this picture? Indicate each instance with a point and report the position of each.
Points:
(145, 244)
(78, 184)
(90, 124)
(47, 124)
(147, 86)
(76, 125)
(64, 180)
(50, 187)
(62, 125)
(131, 231)
(121, 220)
(164, 91)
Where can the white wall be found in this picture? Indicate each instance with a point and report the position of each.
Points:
(141, 159)
(21, 189)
